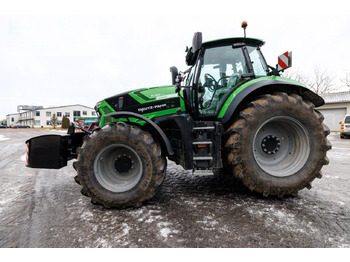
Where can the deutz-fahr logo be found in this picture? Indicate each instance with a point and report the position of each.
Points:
(151, 108)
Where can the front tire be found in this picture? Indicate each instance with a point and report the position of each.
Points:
(278, 145)
(120, 166)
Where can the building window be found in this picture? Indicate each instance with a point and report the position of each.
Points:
(48, 122)
(37, 113)
(76, 113)
(84, 113)
(37, 122)
(48, 114)
(59, 114)
(93, 113)
(12, 119)
(67, 114)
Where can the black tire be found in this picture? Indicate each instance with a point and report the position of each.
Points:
(278, 145)
(120, 166)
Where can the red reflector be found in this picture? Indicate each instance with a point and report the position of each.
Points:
(202, 146)
(27, 154)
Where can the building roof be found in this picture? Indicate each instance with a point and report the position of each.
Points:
(331, 98)
(46, 108)
(61, 107)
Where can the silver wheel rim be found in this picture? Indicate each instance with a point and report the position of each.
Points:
(118, 168)
(281, 146)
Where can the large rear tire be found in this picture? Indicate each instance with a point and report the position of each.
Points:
(278, 145)
(120, 166)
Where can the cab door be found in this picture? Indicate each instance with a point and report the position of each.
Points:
(221, 70)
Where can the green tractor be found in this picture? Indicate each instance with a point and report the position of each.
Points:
(229, 111)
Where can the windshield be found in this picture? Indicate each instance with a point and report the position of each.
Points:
(220, 70)
(347, 120)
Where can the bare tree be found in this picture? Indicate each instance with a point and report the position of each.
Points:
(297, 76)
(320, 81)
(346, 80)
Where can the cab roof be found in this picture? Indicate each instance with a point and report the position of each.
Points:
(227, 41)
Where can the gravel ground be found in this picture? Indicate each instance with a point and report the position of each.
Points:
(44, 208)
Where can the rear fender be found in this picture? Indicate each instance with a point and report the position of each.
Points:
(52, 151)
(267, 86)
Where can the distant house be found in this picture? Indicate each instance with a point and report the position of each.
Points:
(12, 119)
(42, 117)
(337, 105)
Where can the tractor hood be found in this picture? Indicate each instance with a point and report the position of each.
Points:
(142, 101)
(153, 94)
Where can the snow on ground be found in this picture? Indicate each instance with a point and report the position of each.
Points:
(3, 138)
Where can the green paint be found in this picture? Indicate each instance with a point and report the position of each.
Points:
(104, 108)
(149, 116)
(153, 94)
(249, 83)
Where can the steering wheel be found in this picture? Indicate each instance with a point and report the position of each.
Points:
(209, 79)
(233, 79)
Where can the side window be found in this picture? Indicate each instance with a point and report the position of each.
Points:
(259, 66)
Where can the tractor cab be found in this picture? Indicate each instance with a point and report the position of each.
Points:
(220, 67)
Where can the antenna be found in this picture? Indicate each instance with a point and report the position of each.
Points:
(244, 26)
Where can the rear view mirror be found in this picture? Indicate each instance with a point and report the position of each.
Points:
(196, 41)
(174, 73)
(193, 51)
(284, 61)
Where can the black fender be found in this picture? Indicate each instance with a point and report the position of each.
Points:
(122, 114)
(269, 87)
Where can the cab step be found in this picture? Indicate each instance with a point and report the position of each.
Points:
(208, 172)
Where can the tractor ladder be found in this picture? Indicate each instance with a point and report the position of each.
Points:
(206, 146)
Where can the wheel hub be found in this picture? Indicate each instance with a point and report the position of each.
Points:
(270, 144)
(123, 164)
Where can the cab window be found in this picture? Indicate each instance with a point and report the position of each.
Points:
(221, 70)
(258, 61)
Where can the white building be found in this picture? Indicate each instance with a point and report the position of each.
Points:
(337, 105)
(12, 119)
(42, 117)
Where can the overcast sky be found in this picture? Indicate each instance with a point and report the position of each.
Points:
(55, 53)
